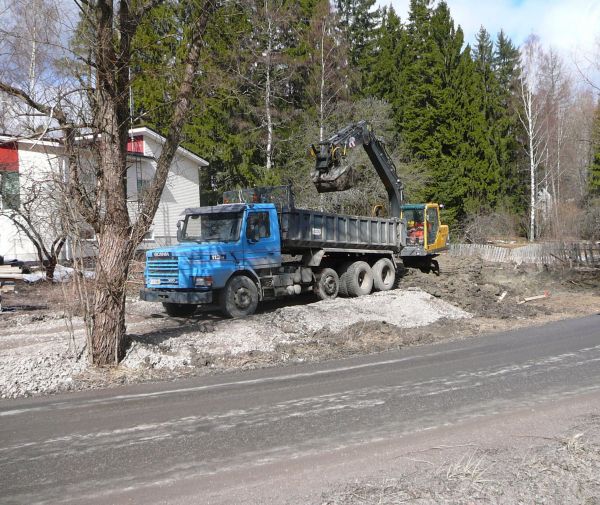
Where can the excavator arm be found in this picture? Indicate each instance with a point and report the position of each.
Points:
(331, 173)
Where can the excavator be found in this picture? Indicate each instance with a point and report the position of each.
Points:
(426, 236)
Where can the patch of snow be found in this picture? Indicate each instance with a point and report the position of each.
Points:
(61, 274)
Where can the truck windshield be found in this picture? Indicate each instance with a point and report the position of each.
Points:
(222, 227)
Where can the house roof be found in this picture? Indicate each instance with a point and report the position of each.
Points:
(144, 130)
(6, 138)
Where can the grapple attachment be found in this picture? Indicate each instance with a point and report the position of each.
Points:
(331, 173)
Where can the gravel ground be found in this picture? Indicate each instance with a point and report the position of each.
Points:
(43, 344)
(39, 354)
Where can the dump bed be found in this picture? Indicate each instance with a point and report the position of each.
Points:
(303, 229)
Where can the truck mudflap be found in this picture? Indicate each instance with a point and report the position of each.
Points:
(191, 297)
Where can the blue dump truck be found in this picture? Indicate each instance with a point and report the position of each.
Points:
(258, 246)
(262, 247)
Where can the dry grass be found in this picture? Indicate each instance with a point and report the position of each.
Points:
(563, 471)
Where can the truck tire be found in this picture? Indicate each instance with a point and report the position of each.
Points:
(180, 309)
(384, 274)
(358, 279)
(342, 273)
(327, 285)
(239, 297)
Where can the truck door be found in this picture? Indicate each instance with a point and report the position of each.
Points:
(263, 246)
(432, 226)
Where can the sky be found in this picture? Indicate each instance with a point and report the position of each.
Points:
(571, 27)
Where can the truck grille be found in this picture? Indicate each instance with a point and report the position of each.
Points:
(162, 271)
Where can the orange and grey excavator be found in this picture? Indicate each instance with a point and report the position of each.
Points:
(426, 237)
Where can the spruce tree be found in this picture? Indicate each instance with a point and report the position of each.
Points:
(508, 129)
(218, 129)
(594, 169)
(381, 62)
(358, 23)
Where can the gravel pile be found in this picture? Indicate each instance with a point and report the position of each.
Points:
(263, 332)
(39, 355)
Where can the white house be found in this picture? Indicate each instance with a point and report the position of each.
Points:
(24, 161)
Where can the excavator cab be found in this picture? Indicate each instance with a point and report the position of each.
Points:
(424, 231)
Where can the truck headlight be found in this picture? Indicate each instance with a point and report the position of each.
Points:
(203, 282)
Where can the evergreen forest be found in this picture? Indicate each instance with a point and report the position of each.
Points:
(278, 76)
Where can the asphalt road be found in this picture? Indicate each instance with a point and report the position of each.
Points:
(282, 434)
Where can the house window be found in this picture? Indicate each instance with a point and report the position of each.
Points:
(87, 233)
(135, 144)
(9, 190)
(142, 186)
(149, 236)
(9, 176)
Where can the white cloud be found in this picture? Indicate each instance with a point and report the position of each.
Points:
(569, 26)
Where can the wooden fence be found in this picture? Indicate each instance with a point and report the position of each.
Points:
(571, 254)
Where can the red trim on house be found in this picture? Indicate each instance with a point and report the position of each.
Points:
(9, 157)
(135, 144)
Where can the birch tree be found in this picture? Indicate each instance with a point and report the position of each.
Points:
(532, 120)
(554, 87)
(327, 63)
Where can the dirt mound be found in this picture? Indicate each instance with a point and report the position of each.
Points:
(477, 287)
(338, 322)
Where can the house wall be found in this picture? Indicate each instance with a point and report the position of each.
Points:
(38, 162)
(182, 190)
(38, 166)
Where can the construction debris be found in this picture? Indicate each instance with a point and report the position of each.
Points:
(532, 298)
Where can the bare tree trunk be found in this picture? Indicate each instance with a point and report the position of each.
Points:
(109, 296)
(114, 254)
(322, 85)
(268, 55)
(532, 168)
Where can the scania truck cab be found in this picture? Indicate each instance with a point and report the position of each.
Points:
(216, 242)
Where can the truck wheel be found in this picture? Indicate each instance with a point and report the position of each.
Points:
(384, 274)
(328, 284)
(343, 274)
(180, 309)
(239, 297)
(359, 279)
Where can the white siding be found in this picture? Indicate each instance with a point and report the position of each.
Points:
(37, 163)
(182, 190)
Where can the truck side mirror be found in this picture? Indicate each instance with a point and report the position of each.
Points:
(179, 230)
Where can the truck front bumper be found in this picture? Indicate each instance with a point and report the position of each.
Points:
(162, 295)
